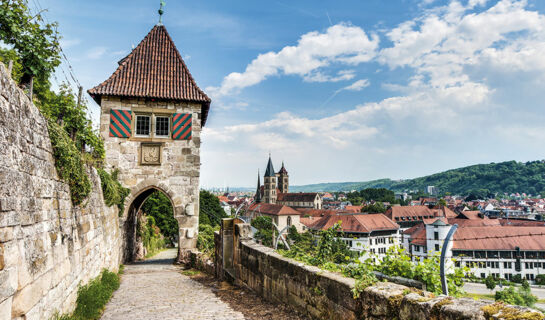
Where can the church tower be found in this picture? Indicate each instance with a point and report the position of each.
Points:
(283, 179)
(269, 194)
(258, 191)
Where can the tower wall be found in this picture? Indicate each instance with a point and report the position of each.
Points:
(172, 166)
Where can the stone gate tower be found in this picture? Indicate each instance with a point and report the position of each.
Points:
(152, 112)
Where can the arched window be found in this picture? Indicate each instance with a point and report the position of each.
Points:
(289, 221)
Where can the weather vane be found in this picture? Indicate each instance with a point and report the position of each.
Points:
(161, 11)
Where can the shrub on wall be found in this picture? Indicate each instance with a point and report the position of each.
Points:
(69, 163)
(114, 193)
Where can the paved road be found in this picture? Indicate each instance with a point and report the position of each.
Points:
(480, 288)
(155, 289)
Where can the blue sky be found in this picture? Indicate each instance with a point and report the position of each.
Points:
(340, 90)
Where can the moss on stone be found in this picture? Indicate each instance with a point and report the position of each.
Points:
(509, 313)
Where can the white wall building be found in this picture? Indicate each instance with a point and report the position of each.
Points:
(484, 245)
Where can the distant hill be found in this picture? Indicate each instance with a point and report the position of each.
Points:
(343, 186)
(510, 177)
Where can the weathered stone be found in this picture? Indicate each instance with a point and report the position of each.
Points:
(42, 259)
(5, 309)
(2, 264)
(326, 295)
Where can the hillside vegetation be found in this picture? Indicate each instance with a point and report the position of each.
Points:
(510, 177)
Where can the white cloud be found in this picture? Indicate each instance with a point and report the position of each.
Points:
(358, 85)
(318, 76)
(67, 43)
(453, 55)
(96, 53)
(341, 43)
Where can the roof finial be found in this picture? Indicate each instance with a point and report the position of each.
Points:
(161, 11)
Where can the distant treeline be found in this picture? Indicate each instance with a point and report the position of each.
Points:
(494, 178)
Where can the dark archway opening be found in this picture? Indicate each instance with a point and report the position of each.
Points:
(150, 225)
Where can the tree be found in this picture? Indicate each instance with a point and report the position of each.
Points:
(490, 282)
(264, 227)
(377, 207)
(37, 45)
(210, 211)
(159, 207)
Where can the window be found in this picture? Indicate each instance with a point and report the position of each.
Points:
(162, 125)
(436, 235)
(143, 126)
(289, 224)
(507, 265)
(436, 247)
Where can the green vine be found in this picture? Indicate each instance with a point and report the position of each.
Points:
(69, 163)
(112, 190)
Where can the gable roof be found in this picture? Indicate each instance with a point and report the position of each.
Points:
(154, 69)
(297, 197)
(409, 211)
(357, 223)
(273, 209)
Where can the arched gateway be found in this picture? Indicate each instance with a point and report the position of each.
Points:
(152, 112)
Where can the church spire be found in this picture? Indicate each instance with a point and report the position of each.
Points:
(270, 169)
(258, 191)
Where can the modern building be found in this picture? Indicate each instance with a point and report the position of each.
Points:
(486, 246)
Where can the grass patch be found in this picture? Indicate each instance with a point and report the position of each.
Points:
(480, 296)
(191, 272)
(92, 298)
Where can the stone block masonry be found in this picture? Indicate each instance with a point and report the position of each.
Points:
(47, 246)
(327, 295)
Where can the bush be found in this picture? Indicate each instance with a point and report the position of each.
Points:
(112, 190)
(69, 164)
(520, 297)
(490, 282)
(517, 278)
(205, 239)
(540, 279)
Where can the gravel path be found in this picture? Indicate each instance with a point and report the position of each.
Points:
(155, 289)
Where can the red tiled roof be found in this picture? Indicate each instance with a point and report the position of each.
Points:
(520, 223)
(360, 223)
(409, 211)
(475, 222)
(499, 238)
(273, 209)
(353, 209)
(297, 197)
(471, 215)
(154, 69)
(316, 212)
(444, 212)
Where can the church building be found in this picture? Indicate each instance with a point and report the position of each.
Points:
(275, 190)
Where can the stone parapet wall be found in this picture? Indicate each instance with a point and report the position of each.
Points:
(48, 247)
(327, 295)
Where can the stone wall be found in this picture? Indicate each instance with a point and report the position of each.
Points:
(177, 174)
(48, 247)
(327, 295)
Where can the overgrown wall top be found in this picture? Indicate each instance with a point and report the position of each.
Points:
(47, 246)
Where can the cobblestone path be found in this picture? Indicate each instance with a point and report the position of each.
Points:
(155, 289)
